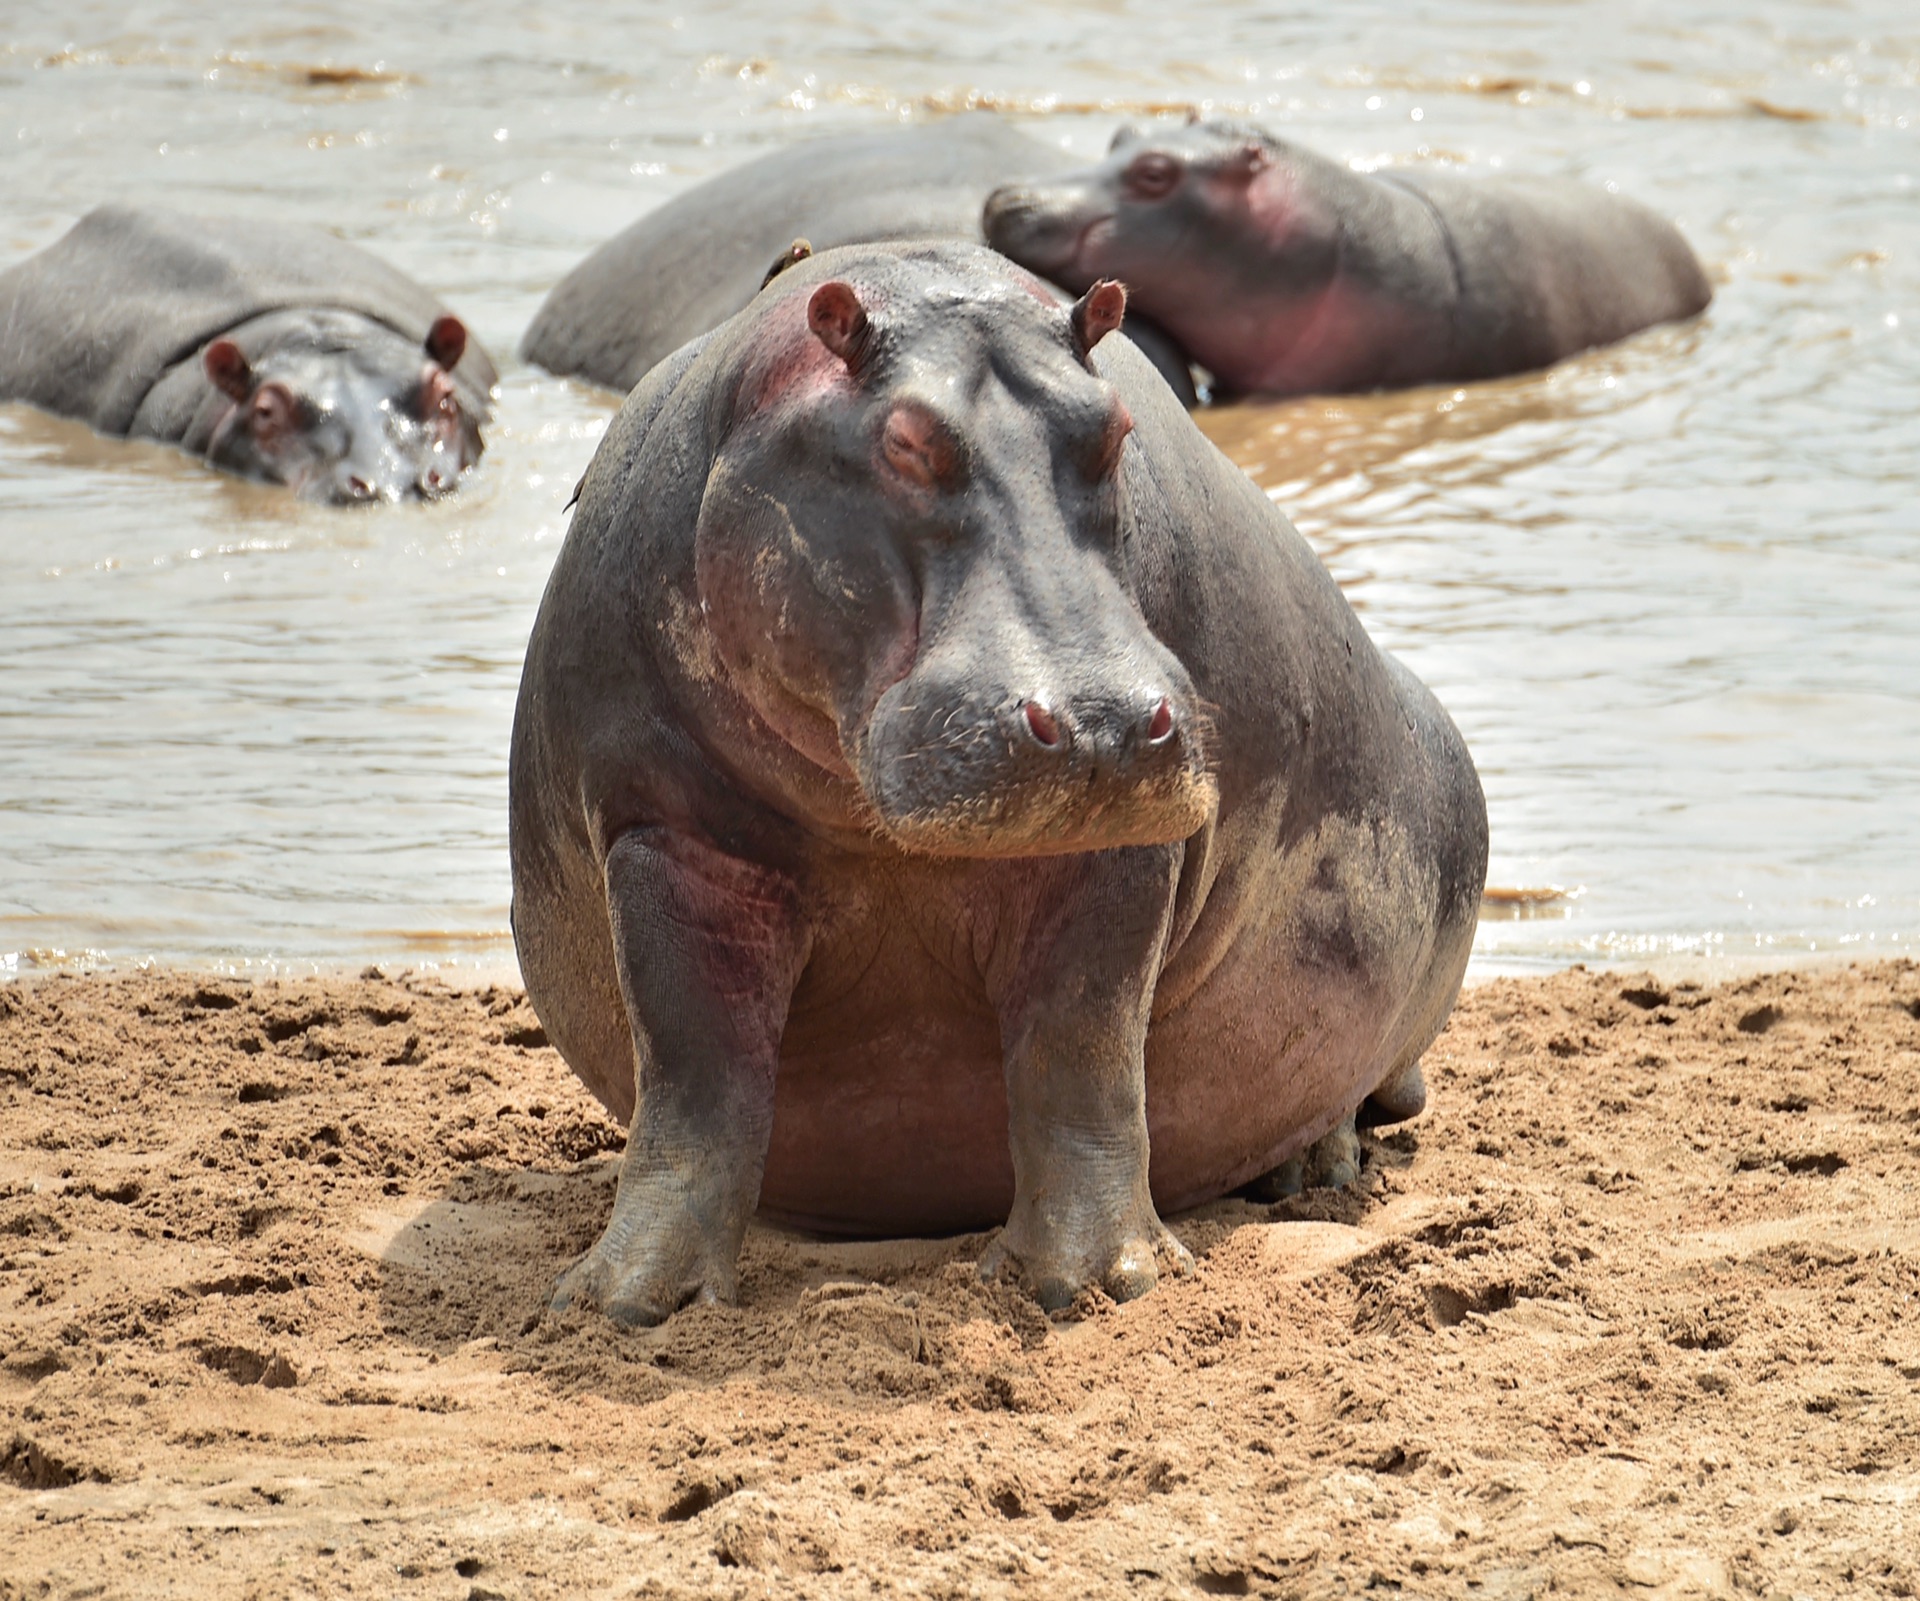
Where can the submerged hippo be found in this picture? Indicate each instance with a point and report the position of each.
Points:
(1285, 273)
(276, 352)
(690, 264)
(944, 789)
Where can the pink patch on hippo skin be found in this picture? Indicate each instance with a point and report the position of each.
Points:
(787, 361)
(1353, 339)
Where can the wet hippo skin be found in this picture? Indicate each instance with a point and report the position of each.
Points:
(276, 352)
(687, 266)
(945, 791)
(1285, 273)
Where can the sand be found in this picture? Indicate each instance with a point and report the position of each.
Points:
(1630, 1311)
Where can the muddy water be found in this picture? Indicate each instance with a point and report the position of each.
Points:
(1668, 590)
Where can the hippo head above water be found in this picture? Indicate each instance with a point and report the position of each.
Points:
(1208, 225)
(909, 554)
(345, 410)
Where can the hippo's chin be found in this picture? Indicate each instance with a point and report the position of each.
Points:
(1014, 823)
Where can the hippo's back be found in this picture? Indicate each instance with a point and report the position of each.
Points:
(1548, 268)
(687, 266)
(90, 324)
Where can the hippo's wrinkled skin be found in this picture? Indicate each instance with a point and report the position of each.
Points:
(687, 266)
(938, 772)
(1285, 273)
(275, 352)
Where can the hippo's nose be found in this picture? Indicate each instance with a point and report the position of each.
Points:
(1111, 730)
(358, 488)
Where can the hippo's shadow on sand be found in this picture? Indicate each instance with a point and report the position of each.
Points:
(881, 1319)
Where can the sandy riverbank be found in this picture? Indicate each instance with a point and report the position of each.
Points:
(1634, 1309)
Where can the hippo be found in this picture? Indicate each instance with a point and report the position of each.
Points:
(272, 351)
(945, 791)
(690, 264)
(1284, 273)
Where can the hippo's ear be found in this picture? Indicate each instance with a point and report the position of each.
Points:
(227, 369)
(839, 321)
(447, 340)
(1125, 134)
(1246, 162)
(1096, 314)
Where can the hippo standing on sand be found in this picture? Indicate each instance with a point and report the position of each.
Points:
(944, 789)
(687, 266)
(1285, 273)
(275, 352)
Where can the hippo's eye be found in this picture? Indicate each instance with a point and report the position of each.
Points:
(1102, 458)
(920, 447)
(1151, 175)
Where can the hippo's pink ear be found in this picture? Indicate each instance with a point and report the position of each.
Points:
(1096, 314)
(227, 368)
(447, 340)
(839, 321)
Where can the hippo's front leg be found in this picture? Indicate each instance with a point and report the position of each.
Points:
(1073, 1018)
(709, 949)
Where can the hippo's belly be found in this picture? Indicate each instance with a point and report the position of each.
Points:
(1280, 1014)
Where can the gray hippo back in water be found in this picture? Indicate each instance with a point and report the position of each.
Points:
(687, 266)
(944, 790)
(273, 351)
(1285, 273)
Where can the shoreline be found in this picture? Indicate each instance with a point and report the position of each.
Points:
(1635, 1304)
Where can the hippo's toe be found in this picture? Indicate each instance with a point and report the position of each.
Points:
(1056, 1272)
(648, 1281)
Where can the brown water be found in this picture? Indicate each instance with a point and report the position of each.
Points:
(1668, 590)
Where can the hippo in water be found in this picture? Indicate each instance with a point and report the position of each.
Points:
(1284, 273)
(944, 790)
(273, 351)
(690, 264)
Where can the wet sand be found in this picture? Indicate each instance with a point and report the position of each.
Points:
(1631, 1310)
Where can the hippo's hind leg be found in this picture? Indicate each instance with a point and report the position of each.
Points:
(709, 950)
(1331, 1162)
(1401, 1097)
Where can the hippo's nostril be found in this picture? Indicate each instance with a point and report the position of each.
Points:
(1045, 726)
(359, 488)
(1160, 725)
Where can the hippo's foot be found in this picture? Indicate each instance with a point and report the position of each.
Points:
(652, 1260)
(1331, 1162)
(1058, 1257)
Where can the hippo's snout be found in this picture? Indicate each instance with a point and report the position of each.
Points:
(1037, 773)
(1040, 228)
(1103, 735)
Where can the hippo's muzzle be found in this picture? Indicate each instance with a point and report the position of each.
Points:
(1037, 773)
